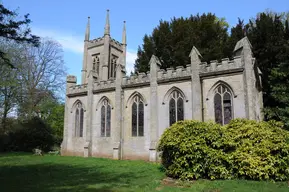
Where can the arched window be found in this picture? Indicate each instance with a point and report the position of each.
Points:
(112, 67)
(223, 105)
(105, 118)
(95, 64)
(137, 109)
(176, 107)
(79, 113)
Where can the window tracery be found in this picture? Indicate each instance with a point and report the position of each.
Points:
(223, 105)
(137, 116)
(79, 114)
(176, 107)
(105, 119)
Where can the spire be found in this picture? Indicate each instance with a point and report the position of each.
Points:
(87, 32)
(107, 25)
(124, 34)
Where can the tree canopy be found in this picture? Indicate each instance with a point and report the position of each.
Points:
(13, 29)
(173, 40)
(268, 32)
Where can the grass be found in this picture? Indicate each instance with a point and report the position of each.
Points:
(25, 172)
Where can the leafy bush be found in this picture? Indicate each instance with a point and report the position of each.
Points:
(28, 135)
(242, 149)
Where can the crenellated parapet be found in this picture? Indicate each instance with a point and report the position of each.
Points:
(224, 66)
(171, 74)
(115, 44)
(77, 90)
(136, 80)
(96, 42)
(101, 86)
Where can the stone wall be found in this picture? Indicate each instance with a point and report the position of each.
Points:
(195, 81)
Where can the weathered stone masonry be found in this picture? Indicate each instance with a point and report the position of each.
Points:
(123, 117)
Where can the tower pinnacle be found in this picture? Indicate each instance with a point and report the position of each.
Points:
(87, 32)
(124, 34)
(107, 25)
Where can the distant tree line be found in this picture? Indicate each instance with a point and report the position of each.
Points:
(268, 32)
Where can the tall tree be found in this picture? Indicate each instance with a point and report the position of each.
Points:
(8, 81)
(173, 40)
(267, 36)
(41, 72)
(56, 121)
(237, 33)
(268, 33)
(13, 29)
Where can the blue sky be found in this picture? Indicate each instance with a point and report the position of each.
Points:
(65, 20)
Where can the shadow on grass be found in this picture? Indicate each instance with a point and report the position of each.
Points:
(49, 177)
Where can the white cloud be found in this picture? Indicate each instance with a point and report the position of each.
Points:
(130, 60)
(74, 43)
(68, 41)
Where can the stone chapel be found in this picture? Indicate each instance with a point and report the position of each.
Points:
(115, 116)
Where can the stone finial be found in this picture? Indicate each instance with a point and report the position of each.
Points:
(195, 52)
(107, 25)
(124, 34)
(87, 32)
(243, 43)
(155, 61)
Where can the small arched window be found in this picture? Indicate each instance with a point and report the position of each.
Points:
(176, 107)
(79, 113)
(137, 109)
(223, 105)
(105, 118)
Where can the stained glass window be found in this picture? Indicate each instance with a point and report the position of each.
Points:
(176, 107)
(81, 123)
(108, 120)
(218, 108)
(172, 111)
(76, 122)
(134, 119)
(137, 117)
(79, 115)
(105, 119)
(140, 119)
(223, 105)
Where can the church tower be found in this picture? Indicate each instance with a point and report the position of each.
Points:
(102, 54)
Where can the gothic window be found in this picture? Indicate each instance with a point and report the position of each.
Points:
(223, 105)
(95, 64)
(79, 113)
(176, 107)
(112, 67)
(137, 117)
(105, 119)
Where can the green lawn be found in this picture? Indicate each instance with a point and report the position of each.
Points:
(25, 172)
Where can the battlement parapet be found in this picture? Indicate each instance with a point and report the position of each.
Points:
(101, 85)
(224, 65)
(141, 78)
(171, 73)
(96, 42)
(75, 89)
(115, 43)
